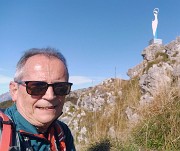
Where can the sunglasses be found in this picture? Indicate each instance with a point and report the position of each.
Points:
(40, 87)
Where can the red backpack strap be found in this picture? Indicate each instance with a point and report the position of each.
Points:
(61, 136)
(6, 132)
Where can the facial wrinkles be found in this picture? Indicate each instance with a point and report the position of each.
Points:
(49, 68)
(41, 69)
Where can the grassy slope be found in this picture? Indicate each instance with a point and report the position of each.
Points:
(159, 128)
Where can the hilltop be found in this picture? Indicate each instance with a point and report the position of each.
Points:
(115, 107)
(5, 97)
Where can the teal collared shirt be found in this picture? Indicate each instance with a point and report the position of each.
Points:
(26, 133)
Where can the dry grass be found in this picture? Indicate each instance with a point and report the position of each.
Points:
(160, 127)
(158, 130)
(111, 122)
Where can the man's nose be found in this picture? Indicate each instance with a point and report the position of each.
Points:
(49, 95)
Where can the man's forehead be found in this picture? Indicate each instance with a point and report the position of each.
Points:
(39, 59)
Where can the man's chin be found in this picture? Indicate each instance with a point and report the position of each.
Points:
(46, 119)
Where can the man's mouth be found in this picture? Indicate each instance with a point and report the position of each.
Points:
(47, 108)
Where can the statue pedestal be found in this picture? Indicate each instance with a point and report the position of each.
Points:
(155, 41)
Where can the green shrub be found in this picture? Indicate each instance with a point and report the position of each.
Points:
(102, 145)
(159, 57)
(164, 56)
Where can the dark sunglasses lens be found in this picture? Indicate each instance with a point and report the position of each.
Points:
(62, 88)
(36, 88)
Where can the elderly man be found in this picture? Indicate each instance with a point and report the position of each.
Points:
(38, 90)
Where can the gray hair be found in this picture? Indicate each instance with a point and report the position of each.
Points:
(49, 52)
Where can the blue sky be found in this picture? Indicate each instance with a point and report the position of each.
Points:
(98, 37)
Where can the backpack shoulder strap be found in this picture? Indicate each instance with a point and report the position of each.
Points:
(6, 132)
(61, 136)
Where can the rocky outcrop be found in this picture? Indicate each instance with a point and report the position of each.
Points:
(137, 70)
(160, 65)
(156, 78)
(149, 53)
(92, 99)
(173, 50)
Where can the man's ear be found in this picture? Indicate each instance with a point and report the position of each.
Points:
(13, 88)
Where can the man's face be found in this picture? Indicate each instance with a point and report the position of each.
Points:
(41, 110)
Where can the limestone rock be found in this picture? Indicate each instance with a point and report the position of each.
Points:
(149, 52)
